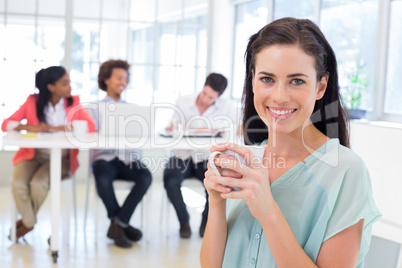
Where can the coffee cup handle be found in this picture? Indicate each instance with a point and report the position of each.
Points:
(212, 163)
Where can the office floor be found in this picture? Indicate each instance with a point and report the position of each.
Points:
(160, 246)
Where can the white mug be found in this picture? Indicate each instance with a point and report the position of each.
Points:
(257, 151)
(80, 127)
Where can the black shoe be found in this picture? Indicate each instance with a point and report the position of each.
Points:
(202, 226)
(116, 232)
(132, 233)
(185, 230)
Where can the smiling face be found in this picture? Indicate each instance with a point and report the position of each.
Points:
(61, 88)
(116, 83)
(285, 87)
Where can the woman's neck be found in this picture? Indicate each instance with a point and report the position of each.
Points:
(298, 144)
(54, 99)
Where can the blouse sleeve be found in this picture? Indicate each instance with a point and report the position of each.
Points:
(78, 112)
(354, 202)
(17, 116)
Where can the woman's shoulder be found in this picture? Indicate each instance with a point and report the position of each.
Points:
(350, 157)
(333, 158)
(340, 163)
(32, 97)
(75, 97)
(332, 149)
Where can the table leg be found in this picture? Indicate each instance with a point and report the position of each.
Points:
(55, 182)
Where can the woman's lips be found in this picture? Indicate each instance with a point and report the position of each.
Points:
(281, 113)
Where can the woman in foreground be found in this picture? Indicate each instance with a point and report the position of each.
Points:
(309, 202)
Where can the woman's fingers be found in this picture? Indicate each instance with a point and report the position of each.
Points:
(223, 158)
(228, 182)
(239, 169)
(220, 147)
(246, 154)
(211, 183)
(229, 173)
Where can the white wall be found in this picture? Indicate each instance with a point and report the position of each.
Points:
(381, 149)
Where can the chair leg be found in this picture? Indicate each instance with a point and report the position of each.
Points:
(165, 207)
(162, 208)
(87, 202)
(74, 196)
(14, 215)
(146, 207)
(96, 214)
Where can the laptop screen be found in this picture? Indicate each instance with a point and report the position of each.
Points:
(124, 119)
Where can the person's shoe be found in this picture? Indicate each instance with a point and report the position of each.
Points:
(23, 230)
(116, 232)
(185, 230)
(202, 226)
(132, 233)
(17, 224)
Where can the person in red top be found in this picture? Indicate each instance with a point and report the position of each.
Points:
(48, 111)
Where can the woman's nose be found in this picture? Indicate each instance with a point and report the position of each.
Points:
(280, 93)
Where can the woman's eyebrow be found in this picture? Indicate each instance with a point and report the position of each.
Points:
(297, 74)
(289, 75)
(267, 74)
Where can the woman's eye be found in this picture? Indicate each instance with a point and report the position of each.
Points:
(298, 82)
(266, 79)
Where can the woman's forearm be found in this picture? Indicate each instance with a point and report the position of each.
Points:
(214, 242)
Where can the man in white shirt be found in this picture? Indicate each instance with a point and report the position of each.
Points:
(111, 164)
(204, 111)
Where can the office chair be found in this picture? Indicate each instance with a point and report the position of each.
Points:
(191, 199)
(383, 253)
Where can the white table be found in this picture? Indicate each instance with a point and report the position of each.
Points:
(58, 141)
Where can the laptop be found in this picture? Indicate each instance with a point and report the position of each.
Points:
(125, 120)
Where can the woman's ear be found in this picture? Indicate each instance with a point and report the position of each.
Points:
(50, 87)
(322, 87)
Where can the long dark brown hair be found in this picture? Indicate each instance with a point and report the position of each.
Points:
(328, 116)
(44, 77)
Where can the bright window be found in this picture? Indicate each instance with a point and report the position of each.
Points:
(351, 29)
(393, 95)
(164, 41)
(250, 17)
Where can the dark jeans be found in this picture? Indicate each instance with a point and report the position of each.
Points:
(106, 172)
(175, 173)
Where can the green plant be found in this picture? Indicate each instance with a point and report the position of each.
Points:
(357, 86)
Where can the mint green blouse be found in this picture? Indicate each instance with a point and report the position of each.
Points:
(325, 194)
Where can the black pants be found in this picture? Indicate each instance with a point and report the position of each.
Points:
(106, 172)
(175, 173)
